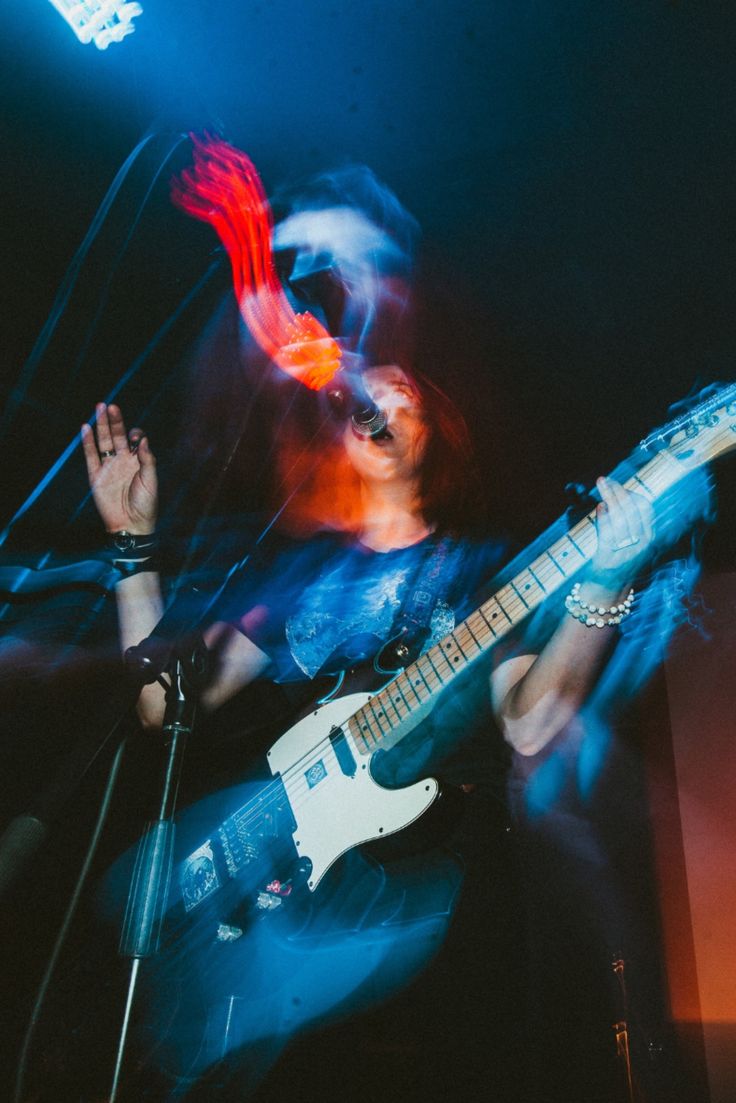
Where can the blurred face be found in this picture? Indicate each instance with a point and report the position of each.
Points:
(398, 456)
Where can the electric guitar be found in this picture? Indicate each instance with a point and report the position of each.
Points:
(271, 853)
(321, 770)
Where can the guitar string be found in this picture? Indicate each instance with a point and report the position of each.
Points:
(657, 475)
(516, 606)
(657, 480)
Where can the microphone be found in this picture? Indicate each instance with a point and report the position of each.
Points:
(370, 423)
(348, 398)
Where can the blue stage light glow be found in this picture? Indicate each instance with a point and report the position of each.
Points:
(234, 982)
(99, 21)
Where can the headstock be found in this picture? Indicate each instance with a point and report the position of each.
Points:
(700, 434)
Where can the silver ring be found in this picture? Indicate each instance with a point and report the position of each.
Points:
(107, 454)
(626, 543)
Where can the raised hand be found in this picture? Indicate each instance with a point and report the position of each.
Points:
(625, 532)
(122, 473)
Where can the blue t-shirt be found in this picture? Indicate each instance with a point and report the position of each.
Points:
(324, 605)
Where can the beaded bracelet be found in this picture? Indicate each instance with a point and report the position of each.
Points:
(592, 615)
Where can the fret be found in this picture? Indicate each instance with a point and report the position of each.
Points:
(584, 532)
(385, 697)
(495, 608)
(486, 623)
(546, 572)
(466, 640)
(557, 565)
(510, 603)
(453, 650)
(398, 700)
(382, 720)
(566, 551)
(365, 730)
(429, 675)
(405, 674)
(663, 459)
(644, 487)
(529, 588)
(542, 564)
(519, 595)
(370, 724)
(361, 745)
(437, 659)
(419, 684)
(483, 630)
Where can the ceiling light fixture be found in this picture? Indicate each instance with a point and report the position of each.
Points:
(99, 21)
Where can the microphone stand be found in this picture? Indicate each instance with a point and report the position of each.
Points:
(188, 668)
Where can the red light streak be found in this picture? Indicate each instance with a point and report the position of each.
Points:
(224, 189)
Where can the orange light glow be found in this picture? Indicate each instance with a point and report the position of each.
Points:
(223, 188)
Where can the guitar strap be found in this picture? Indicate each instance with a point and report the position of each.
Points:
(433, 581)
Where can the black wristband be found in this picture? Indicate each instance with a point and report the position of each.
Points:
(128, 567)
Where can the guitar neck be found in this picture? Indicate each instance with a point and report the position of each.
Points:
(393, 712)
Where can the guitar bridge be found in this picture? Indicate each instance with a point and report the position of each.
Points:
(238, 847)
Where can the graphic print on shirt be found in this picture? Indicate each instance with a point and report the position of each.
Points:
(340, 615)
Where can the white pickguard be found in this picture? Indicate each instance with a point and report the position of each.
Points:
(334, 812)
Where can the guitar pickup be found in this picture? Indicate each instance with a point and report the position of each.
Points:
(343, 754)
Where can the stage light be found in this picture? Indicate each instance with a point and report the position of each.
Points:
(99, 21)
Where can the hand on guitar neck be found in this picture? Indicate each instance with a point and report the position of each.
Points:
(625, 528)
(537, 696)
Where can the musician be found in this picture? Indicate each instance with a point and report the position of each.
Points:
(534, 696)
(373, 523)
(330, 601)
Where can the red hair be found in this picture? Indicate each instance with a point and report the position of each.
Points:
(324, 489)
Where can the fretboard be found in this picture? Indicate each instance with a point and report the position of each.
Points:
(392, 712)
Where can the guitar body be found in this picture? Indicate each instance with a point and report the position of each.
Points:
(275, 919)
(333, 796)
(236, 981)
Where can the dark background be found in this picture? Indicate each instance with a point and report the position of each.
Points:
(571, 166)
